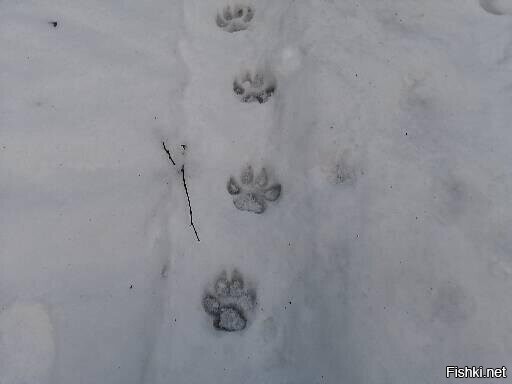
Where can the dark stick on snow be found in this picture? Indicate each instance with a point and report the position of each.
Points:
(168, 153)
(186, 189)
(188, 198)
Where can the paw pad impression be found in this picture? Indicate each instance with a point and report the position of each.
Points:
(235, 19)
(256, 86)
(229, 302)
(253, 192)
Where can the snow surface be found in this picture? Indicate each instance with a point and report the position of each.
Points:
(387, 256)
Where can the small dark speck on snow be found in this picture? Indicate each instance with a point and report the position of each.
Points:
(53, 23)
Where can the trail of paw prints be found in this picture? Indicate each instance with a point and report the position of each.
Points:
(497, 7)
(234, 19)
(229, 303)
(252, 193)
(257, 86)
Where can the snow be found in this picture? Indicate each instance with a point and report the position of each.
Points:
(385, 258)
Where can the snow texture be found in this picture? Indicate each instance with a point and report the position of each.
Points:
(385, 256)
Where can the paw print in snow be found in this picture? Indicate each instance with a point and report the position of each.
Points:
(254, 192)
(235, 19)
(229, 302)
(254, 87)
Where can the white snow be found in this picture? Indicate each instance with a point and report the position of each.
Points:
(387, 256)
(28, 348)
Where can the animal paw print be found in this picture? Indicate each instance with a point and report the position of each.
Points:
(236, 19)
(254, 87)
(254, 192)
(229, 302)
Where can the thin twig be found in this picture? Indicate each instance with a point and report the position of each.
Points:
(185, 186)
(188, 198)
(168, 153)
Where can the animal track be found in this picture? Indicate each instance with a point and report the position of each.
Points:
(256, 86)
(229, 302)
(253, 192)
(236, 19)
